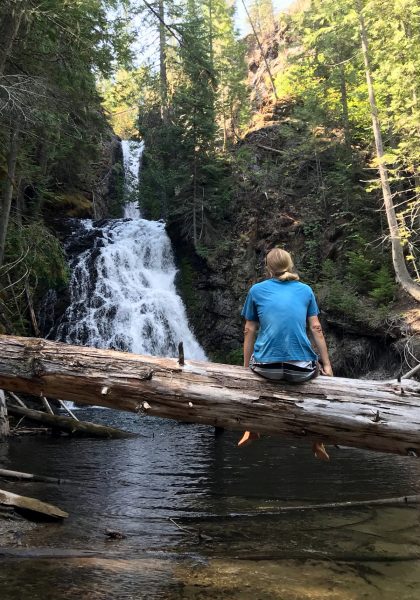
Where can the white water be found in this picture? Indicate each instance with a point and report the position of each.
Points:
(132, 154)
(122, 289)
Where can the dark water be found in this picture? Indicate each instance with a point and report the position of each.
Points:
(226, 539)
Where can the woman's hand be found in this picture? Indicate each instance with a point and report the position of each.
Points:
(327, 370)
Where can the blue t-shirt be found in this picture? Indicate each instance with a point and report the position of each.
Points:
(281, 308)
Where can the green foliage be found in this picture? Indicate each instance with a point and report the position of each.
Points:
(55, 52)
(360, 271)
(42, 256)
(363, 295)
(230, 357)
(188, 113)
(186, 285)
(383, 287)
(325, 77)
(34, 263)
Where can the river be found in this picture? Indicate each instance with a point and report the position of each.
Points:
(226, 539)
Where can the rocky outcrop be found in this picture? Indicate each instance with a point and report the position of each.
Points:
(107, 191)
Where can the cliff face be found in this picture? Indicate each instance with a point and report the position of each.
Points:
(98, 194)
(280, 177)
(107, 195)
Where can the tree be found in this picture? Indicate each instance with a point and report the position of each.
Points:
(261, 16)
(52, 130)
(400, 267)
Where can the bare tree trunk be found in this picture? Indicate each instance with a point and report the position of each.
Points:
(6, 200)
(344, 104)
(10, 21)
(401, 272)
(4, 421)
(374, 415)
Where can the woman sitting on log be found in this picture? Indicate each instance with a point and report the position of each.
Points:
(276, 345)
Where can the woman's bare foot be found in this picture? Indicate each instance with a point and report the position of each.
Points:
(319, 451)
(248, 437)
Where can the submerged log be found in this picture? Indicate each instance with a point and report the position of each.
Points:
(375, 415)
(31, 507)
(69, 425)
(7, 474)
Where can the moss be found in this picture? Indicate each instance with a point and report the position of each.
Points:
(74, 204)
(186, 286)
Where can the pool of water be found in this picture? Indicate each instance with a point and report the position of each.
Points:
(202, 520)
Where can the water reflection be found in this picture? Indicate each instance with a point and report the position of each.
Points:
(200, 519)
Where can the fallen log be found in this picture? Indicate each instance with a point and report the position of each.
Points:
(31, 507)
(7, 474)
(269, 514)
(375, 415)
(68, 424)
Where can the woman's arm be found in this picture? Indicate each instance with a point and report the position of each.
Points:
(250, 334)
(317, 335)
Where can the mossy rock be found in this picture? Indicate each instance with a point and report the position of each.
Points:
(74, 204)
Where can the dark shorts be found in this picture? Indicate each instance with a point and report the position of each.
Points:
(284, 371)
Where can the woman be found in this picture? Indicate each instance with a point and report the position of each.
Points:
(277, 312)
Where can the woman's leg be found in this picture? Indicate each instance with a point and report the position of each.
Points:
(290, 374)
(248, 437)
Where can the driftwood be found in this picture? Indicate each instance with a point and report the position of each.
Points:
(31, 506)
(17, 399)
(31, 311)
(47, 405)
(270, 149)
(414, 371)
(269, 514)
(66, 408)
(5, 473)
(375, 415)
(69, 425)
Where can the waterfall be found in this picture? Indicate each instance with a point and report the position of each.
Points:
(132, 153)
(122, 287)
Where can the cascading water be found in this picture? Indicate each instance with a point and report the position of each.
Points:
(122, 287)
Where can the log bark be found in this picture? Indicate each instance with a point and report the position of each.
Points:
(31, 507)
(4, 421)
(375, 415)
(68, 424)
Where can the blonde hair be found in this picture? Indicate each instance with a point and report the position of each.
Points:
(280, 265)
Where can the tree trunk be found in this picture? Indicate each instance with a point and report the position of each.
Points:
(400, 267)
(6, 200)
(345, 108)
(162, 64)
(10, 20)
(375, 415)
(4, 421)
